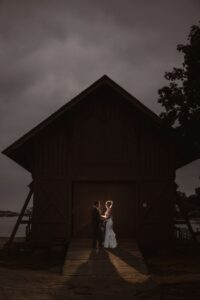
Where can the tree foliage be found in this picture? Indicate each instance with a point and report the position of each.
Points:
(190, 203)
(181, 97)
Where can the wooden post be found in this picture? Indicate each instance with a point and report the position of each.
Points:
(19, 220)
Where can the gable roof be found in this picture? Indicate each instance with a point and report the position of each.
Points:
(12, 151)
(104, 80)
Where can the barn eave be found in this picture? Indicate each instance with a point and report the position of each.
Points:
(104, 80)
(17, 150)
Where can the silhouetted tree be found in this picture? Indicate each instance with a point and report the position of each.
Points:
(197, 192)
(183, 199)
(195, 198)
(181, 98)
(191, 204)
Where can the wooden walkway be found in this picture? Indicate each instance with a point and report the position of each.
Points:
(118, 273)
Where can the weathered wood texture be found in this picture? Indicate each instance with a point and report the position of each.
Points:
(103, 141)
(111, 266)
(108, 141)
(103, 132)
(124, 208)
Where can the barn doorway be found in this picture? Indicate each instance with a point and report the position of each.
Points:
(124, 209)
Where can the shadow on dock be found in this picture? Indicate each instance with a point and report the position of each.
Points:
(104, 274)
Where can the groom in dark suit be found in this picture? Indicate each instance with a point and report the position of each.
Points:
(97, 222)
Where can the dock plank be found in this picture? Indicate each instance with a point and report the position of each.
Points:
(106, 272)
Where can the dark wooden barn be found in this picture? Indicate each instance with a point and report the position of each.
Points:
(104, 144)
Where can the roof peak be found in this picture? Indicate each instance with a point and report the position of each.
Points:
(103, 79)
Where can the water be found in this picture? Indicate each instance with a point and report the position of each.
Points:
(7, 224)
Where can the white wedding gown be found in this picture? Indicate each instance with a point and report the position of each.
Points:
(110, 239)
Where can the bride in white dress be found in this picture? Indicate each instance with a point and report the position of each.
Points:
(110, 239)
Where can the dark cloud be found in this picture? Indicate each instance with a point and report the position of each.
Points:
(51, 50)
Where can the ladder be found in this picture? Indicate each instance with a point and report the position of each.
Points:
(20, 219)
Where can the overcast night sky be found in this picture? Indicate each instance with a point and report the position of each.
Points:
(51, 50)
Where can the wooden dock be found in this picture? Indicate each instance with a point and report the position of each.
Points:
(105, 273)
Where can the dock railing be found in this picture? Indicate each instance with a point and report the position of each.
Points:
(183, 233)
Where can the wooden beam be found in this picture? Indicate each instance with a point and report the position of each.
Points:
(26, 222)
(19, 220)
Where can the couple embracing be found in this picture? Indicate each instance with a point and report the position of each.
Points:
(103, 234)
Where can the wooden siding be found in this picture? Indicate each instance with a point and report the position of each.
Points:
(124, 209)
(103, 139)
(155, 211)
(50, 209)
